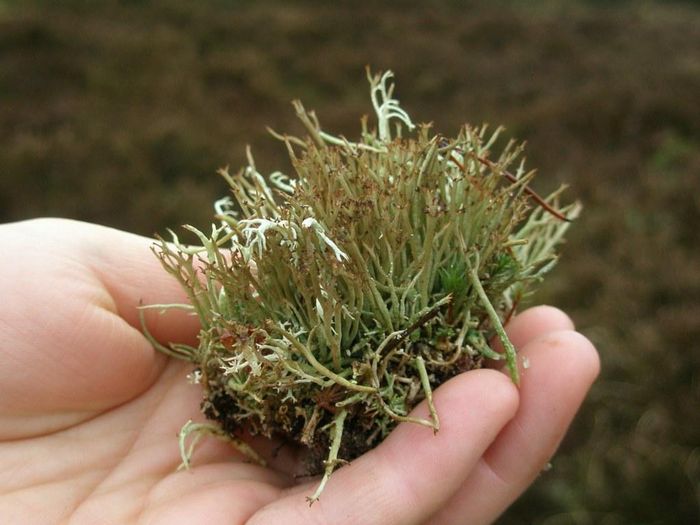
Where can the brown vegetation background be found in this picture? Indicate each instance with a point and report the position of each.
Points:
(120, 113)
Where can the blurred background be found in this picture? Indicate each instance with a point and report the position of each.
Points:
(121, 112)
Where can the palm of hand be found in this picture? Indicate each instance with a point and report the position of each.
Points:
(89, 412)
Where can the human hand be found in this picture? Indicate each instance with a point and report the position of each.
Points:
(89, 411)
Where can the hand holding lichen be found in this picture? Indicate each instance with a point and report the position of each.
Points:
(334, 301)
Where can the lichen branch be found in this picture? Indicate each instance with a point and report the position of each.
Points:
(511, 355)
(332, 460)
(199, 430)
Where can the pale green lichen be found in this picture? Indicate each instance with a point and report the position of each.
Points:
(334, 301)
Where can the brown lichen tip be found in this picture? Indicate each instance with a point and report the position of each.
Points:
(339, 298)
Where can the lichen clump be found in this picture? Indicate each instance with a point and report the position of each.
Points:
(334, 301)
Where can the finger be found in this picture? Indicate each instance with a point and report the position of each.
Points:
(532, 323)
(413, 472)
(529, 325)
(562, 367)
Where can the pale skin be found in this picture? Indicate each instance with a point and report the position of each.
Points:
(89, 412)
